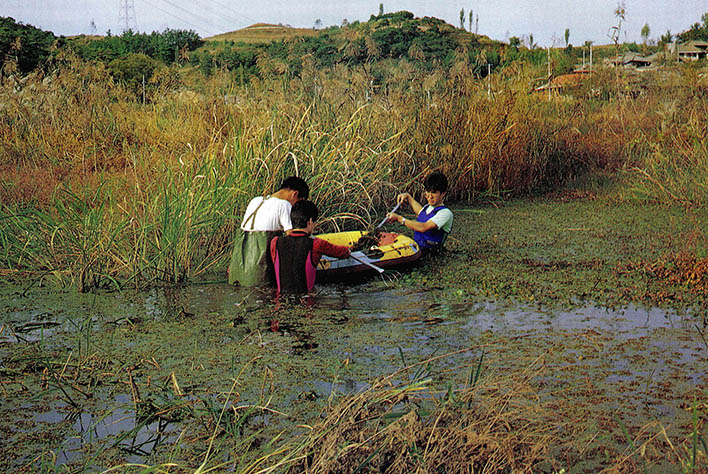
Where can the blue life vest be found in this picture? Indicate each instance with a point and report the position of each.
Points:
(434, 238)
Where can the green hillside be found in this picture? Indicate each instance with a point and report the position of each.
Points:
(426, 42)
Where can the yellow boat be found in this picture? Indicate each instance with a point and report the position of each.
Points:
(392, 250)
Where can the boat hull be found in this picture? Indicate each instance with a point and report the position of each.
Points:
(393, 250)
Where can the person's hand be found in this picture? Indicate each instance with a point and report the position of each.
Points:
(403, 197)
(393, 217)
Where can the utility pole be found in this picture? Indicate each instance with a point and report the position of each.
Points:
(489, 80)
(127, 15)
(548, 56)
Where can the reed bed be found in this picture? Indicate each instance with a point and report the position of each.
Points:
(101, 190)
(484, 421)
(496, 425)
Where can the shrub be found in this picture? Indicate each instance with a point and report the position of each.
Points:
(133, 70)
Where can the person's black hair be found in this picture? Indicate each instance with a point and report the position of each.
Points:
(436, 181)
(297, 184)
(302, 212)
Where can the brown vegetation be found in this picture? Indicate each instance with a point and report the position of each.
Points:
(204, 149)
(263, 33)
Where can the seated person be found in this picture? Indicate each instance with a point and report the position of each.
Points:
(434, 220)
(296, 255)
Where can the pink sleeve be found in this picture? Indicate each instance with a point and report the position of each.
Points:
(273, 250)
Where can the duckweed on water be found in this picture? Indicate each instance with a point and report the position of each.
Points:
(521, 305)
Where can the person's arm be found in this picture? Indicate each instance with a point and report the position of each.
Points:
(443, 219)
(284, 216)
(412, 223)
(322, 247)
(415, 205)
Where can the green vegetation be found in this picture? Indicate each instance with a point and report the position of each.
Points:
(262, 33)
(126, 162)
(23, 46)
(169, 46)
(494, 353)
(698, 31)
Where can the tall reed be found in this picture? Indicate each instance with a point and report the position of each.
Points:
(99, 190)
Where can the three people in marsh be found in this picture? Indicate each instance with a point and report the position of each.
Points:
(274, 244)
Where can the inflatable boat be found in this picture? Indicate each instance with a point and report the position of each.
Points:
(391, 250)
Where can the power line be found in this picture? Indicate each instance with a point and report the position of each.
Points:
(230, 19)
(226, 7)
(209, 31)
(222, 13)
(204, 21)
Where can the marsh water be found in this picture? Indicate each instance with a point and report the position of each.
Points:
(630, 364)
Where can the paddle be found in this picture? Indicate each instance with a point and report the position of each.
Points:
(386, 218)
(370, 265)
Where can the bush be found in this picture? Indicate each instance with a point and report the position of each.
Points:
(133, 70)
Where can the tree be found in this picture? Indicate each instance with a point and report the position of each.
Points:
(381, 9)
(567, 36)
(698, 31)
(133, 70)
(470, 16)
(27, 46)
(318, 24)
(666, 38)
(462, 18)
(645, 33)
(514, 41)
(531, 44)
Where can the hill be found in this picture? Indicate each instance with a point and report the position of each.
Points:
(263, 33)
(428, 42)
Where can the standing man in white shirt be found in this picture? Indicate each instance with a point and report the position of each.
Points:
(265, 217)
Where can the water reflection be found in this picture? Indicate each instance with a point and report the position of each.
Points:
(135, 436)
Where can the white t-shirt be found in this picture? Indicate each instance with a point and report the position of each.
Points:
(442, 219)
(273, 215)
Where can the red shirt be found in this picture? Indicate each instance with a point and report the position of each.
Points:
(319, 247)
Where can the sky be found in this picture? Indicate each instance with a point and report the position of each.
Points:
(546, 20)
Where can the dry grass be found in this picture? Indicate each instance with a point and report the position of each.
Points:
(177, 171)
(499, 422)
(264, 33)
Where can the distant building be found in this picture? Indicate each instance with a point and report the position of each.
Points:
(629, 60)
(690, 51)
(563, 82)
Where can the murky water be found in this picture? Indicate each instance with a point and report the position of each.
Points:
(636, 363)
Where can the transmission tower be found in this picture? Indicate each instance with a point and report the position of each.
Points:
(127, 15)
